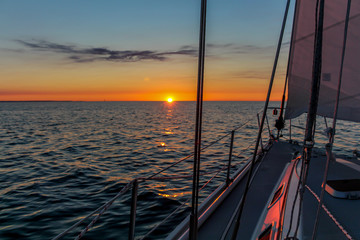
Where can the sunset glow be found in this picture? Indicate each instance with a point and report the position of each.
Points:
(137, 61)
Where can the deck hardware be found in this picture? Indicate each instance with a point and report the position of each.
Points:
(276, 195)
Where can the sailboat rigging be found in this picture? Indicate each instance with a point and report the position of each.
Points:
(279, 194)
(319, 54)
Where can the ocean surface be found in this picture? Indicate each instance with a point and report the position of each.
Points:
(62, 160)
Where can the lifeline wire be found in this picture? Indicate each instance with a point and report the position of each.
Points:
(127, 187)
(237, 223)
(152, 177)
(202, 149)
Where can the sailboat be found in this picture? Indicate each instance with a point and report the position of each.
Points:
(291, 192)
(286, 190)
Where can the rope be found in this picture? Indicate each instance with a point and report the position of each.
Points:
(100, 209)
(330, 215)
(127, 187)
(104, 207)
(188, 176)
(202, 149)
(287, 70)
(237, 223)
(332, 133)
(182, 176)
(165, 219)
(247, 148)
(323, 206)
(177, 209)
(198, 122)
(295, 126)
(347, 140)
(218, 171)
(339, 137)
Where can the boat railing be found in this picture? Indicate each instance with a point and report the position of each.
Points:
(133, 185)
(345, 142)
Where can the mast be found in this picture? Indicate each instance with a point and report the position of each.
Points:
(198, 125)
(314, 98)
(315, 88)
(332, 132)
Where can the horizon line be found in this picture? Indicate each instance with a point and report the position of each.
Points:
(135, 101)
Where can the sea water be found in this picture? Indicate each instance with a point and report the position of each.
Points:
(62, 160)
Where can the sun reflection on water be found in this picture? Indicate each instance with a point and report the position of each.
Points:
(174, 195)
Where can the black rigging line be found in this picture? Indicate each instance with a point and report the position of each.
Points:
(313, 103)
(280, 122)
(237, 222)
(332, 133)
(198, 124)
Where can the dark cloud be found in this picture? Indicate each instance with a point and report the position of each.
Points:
(82, 55)
(235, 48)
(92, 54)
(227, 45)
(252, 74)
(238, 49)
(286, 43)
(253, 49)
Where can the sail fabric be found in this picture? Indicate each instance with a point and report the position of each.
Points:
(301, 60)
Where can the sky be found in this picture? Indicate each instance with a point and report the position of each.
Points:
(139, 50)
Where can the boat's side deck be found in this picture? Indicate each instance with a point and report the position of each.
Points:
(340, 219)
(345, 212)
(262, 186)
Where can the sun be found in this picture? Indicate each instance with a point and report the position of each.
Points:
(170, 100)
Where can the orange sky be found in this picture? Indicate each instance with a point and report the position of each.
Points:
(149, 58)
(144, 81)
(244, 94)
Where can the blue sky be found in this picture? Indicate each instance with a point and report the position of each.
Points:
(162, 35)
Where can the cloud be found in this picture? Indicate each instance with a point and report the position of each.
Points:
(232, 48)
(213, 45)
(80, 54)
(227, 49)
(260, 74)
(92, 54)
(253, 49)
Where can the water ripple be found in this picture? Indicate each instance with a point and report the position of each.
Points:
(62, 160)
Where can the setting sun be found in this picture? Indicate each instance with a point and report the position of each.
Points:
(169, 100)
